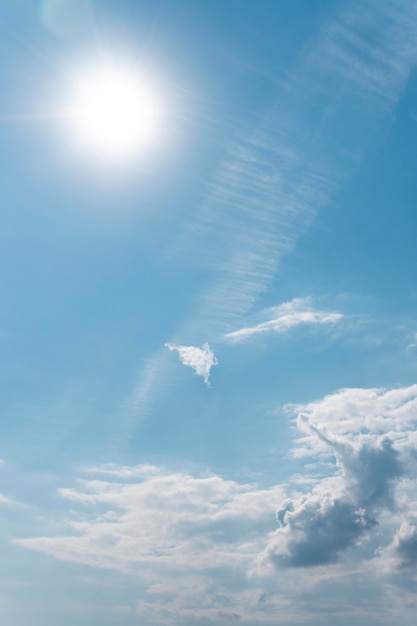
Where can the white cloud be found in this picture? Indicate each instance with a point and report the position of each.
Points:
(362, 414)
(208, 548)
(165, 517)
(371, 435)
(404, 545)
(200, 359)
(285, 317)
(340, 513)
(189, 539)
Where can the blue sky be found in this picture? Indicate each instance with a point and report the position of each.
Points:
(208, 363)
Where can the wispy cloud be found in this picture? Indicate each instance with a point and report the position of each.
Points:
(284, 317)
(275, 178)
(188, 538)
(201, 360)
(279, 171)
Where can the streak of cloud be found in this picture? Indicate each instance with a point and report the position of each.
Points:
(287, 316)
(279, 172)
(276, 177)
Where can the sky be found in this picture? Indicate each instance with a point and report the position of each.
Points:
(208, 324)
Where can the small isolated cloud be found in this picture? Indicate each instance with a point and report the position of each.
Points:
(285, 317)
(200, 359)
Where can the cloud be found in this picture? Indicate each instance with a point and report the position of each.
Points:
(320, 528)
(285, 317)
(207, 548)
(185, 536)
(398, 558)
(370, 434)
(200, 359)
(316, 528)
(278, 171)
(269, 189)
(359, 415)
(405, 544)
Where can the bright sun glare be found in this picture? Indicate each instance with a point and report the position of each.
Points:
(114, 111)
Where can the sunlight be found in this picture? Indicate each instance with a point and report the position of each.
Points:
(114, 111)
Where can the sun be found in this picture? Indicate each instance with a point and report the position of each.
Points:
(113, 110)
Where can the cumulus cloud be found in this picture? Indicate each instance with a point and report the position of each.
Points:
(207, 548)
(284, 317)
(400, 555)
(405, 544)
(316, 528)
(370, 435)
(368, 469)
(319, 528)
(360, 415)
(200, 359)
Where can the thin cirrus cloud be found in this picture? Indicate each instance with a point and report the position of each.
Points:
(201, 360)
(287, 316)
(276, 176)
(206, 547)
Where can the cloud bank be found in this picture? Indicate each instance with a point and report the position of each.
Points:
(200, 359)
(211, 549)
